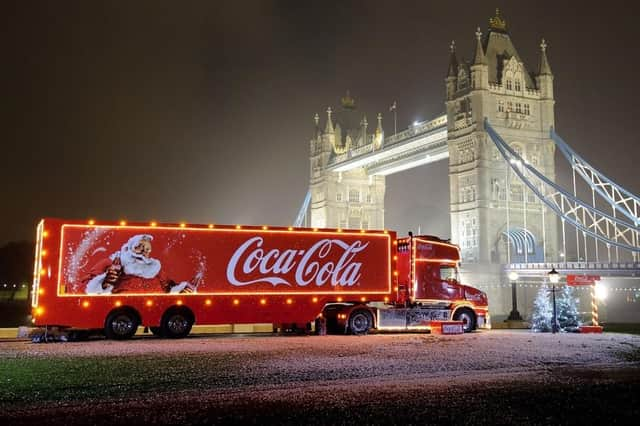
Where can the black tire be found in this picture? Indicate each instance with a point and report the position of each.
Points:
(360, 322)
(176, 323)
(121, 325)
(468, 318)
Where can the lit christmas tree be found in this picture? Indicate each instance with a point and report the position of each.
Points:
(542, 311)
(567, 310)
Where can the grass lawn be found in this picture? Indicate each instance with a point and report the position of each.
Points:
(629, 328)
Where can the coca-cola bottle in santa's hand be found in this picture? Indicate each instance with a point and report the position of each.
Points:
(113, 273)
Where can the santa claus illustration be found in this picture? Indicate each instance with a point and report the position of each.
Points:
(132, 270)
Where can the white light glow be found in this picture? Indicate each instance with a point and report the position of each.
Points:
(601, 292)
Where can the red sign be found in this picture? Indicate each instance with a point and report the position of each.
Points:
(579, 280)
(104, 260)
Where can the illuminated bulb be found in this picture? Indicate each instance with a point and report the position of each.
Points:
(315, 229)
(263, 301)
(362, 299)
(395, 257)
(41, 291)
(43, 253)
(339, 230)
(362, 231)
(236, 301)
(92, 222)
(85, 304)
(264, 228)
(386, 299)
(43, 272)
(149, 303)
(386, 231)
(289, 301)
(290, 228)
(182, 225)
(118, 303)
(395, 273)
(179, 302)
(315, 300)
(154, 224)
(207, 302)
(395, 242)
(123, 222)
(238, 227)
(339, 299)
(211, 226)
(39, 310)
(45, 234)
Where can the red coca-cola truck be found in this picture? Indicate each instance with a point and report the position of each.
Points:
(115, 277)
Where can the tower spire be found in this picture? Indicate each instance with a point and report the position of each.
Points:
(544, 69)
(329, 127)
(480, 58)
(453, 61)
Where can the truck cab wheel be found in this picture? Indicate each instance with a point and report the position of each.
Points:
(468, 319)
(121, 325)
(176, 324)
(360, 321)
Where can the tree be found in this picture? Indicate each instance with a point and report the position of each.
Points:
(542, 311)
(567, 309)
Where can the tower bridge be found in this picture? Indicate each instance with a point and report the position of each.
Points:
(498, 134)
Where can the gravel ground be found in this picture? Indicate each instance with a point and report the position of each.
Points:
(491, 377)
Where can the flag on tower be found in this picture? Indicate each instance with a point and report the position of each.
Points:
(392, 107)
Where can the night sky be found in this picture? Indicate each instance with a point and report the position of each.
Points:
(202, 111)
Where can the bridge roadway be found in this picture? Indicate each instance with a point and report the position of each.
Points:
(422, 143)
(603, 269)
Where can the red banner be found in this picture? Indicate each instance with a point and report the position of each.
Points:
(580, 280)
(104, 260)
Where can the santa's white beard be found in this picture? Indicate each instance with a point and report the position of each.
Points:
(140, 266)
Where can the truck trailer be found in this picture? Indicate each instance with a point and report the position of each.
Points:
(113, 277)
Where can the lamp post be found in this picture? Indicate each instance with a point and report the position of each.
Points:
(514, 315)
(554, 277)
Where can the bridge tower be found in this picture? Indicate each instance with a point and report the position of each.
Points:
(494, 217)
(352, 199)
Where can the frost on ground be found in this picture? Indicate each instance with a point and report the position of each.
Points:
(321, 379)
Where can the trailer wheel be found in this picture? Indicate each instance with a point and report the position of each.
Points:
(360, 321)
(468, 319)
(176, 323)
(121, 325)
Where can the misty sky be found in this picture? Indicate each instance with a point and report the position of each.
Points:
(202, 111)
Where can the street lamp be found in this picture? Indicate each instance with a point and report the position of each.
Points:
(514, 315)
(554, 277)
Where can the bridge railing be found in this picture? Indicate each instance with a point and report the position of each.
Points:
(547, 266)
(416, 129)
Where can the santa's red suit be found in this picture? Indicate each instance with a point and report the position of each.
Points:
(126, 271)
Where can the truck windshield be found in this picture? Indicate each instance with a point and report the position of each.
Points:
(448, 273)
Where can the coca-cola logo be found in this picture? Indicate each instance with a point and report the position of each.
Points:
(312, 266)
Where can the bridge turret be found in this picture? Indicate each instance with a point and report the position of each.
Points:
(544, 79)
(379, 136)
(480, 66)
(452, 74)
